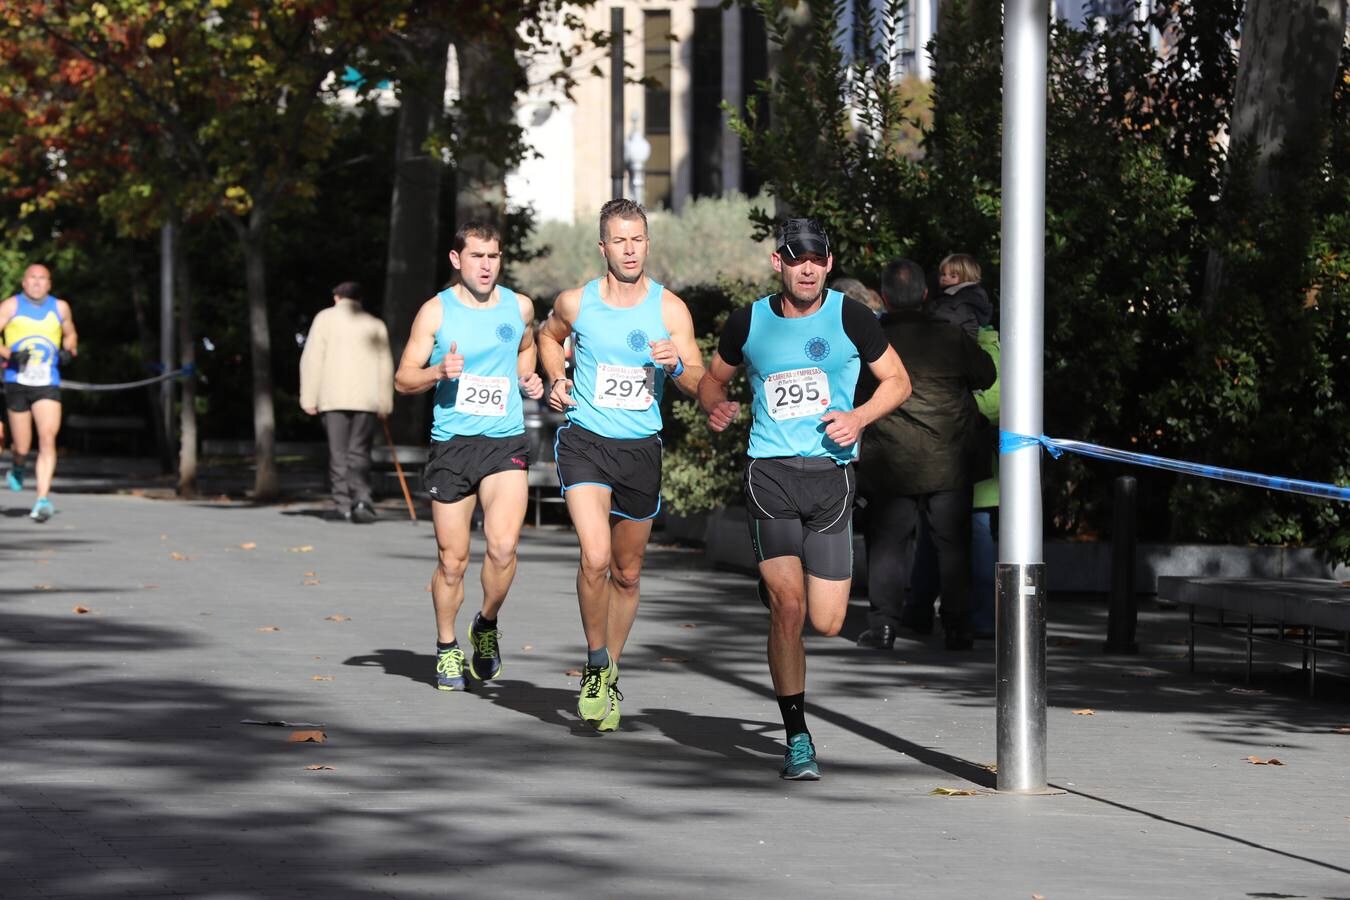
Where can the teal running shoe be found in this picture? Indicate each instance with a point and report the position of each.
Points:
(14, 478)
(799, 763)
(486, 662)
(42, 510)
(593, 703)
(611, 720)
(450, 670)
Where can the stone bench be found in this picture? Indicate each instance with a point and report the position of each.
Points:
(1308, 614)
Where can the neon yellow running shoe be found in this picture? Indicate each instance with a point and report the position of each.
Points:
(450, 670)
(611, 721)
(593, 702)
(486, 662)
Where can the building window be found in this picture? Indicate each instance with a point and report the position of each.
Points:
(656, 54)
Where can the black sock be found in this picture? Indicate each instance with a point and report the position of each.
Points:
(441, 648)
(19, 462)
(485, 622)
(793, 709)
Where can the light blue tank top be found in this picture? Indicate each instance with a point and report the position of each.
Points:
(799, 369)
(616, 385)
(485, 400)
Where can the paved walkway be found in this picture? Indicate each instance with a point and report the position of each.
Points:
(125, 769)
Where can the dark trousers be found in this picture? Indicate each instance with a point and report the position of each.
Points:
(349, 438)
(890, 536)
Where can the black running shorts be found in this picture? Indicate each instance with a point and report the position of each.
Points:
(803, 506)
(630, 468)
(456, 467)
(21, 397)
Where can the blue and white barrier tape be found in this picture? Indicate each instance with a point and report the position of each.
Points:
(1010, 442)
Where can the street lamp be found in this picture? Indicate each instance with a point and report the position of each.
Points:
(636, 151)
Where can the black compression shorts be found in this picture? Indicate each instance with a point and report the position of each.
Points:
(803, 507)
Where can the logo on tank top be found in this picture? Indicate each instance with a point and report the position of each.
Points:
(637, 340)
(817, 349)
(505, 333)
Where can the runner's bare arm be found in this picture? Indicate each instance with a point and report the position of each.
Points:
(893, 388)
(527, 358)
(414, 376)
(70, 339)
(712, 394)
(682, 346)
(8, 308)
(552, 357)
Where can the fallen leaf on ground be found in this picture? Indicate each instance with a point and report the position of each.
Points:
(1258, 761)
(674, 659)
(163, 537)
(688, 624)
(306, 737)
(317, 768)
(248, 545)
(1037, 897)
(1084, 712)
(80, 610)
(42, 587)
(527, 648)
(179, 556)
(1345, 729)
(990, 767)
(574, 673)
(270, 628)
(337, 617)
(149, 587)
(305, 549)
(310, 582)
(311, 574)
(951, 792)
(321, 678)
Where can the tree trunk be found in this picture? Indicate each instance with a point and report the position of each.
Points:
(139, 307)
(488, 76)
(414, 217)
(1286, 73)
(266, 483)
(187, 355)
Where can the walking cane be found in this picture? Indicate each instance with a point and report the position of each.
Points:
(402, 482)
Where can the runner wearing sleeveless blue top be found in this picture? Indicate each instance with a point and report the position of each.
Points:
(39, 336)
(629, 336)
(802, 350)
(474, 344)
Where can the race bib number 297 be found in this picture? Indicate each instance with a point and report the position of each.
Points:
(797, 393)
(622, 387)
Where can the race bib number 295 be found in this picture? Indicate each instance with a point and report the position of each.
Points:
(797, 393)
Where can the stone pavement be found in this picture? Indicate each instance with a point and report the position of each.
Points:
(125, 769)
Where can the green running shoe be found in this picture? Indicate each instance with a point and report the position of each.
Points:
(450, 670)
(611, 721)
(593, 702)
(799, 763)
(42, 510)
(486, 662)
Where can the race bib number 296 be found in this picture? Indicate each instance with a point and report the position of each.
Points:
(797, 393)
(482, 395)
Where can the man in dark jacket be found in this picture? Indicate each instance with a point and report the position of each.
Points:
(921, 460)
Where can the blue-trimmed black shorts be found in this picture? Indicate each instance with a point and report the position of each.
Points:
(629, 467)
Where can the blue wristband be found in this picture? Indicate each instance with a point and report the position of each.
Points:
(679, 368)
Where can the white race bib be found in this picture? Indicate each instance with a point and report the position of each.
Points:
(482, 395)
(797, 393)
(36, 373)
(623, 387)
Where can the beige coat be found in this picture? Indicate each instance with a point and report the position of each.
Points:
(346, 363)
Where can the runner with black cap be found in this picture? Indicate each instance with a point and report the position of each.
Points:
(802, 350)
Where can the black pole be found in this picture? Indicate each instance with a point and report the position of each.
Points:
(616, 102)
(1124, 611)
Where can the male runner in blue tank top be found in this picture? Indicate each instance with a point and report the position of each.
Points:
(629, 335)
(802, 350)
(474, 343)
(39, 337)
